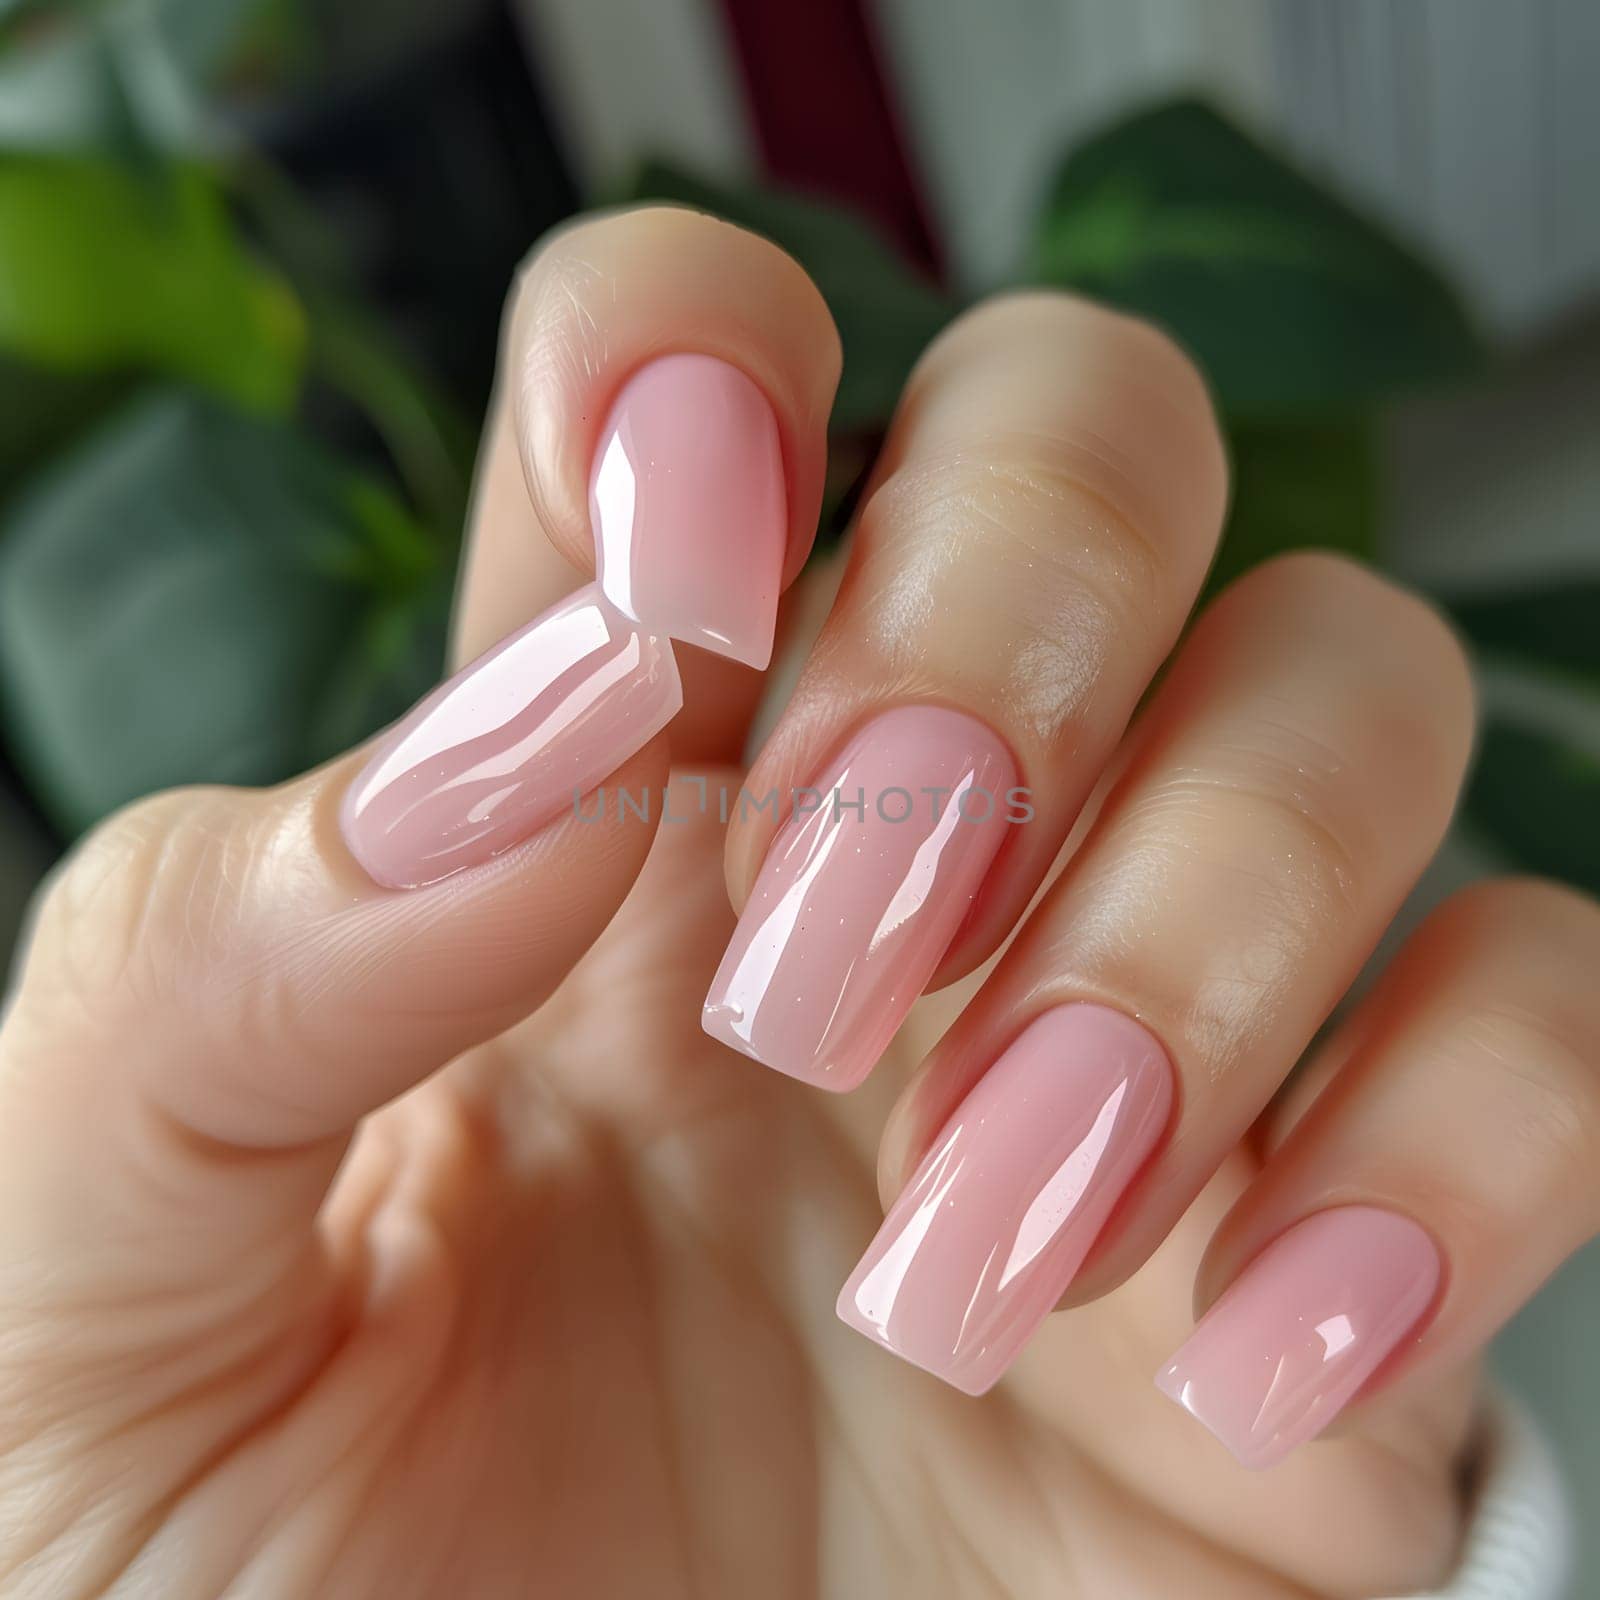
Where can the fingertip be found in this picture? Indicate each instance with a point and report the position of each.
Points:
(604, 299)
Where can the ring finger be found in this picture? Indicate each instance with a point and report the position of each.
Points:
(1291, 780)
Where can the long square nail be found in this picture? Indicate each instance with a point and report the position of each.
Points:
(999, 1215)
(861, 893)
(503, 747)
(689, 507)
(1284, 1350)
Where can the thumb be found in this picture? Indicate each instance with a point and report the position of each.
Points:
(217, 987)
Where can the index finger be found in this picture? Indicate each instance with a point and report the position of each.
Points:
(669, 378)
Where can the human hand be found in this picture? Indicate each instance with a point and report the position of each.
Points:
(361, 1240)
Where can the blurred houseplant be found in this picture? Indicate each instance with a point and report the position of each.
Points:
(230, 492)
(230, 496)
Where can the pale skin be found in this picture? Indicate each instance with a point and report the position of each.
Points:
(360, 1242)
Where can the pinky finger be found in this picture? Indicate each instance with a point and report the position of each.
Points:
(1443, 1172)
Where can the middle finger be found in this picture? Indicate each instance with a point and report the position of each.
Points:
(1048, 501)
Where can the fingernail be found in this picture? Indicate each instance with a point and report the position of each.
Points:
(1276, 1359)
(997, 1219)
(509, 742)
(689, 509)
(861, 894)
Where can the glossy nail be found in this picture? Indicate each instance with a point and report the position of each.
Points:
(1002, 1210)
(1276, 1359)
(509, 742)
(861, 893)
(689, 509)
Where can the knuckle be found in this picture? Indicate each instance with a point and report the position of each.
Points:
(1292, 798)
(1020, 506)
(1517, 1034)
(1032, 496)
(1276, 874)
(1009, 531)
(1102, 400)
(1393, 682)
(1281, 818)
(1547, 1087)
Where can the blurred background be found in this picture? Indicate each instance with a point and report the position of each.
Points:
(253, 255)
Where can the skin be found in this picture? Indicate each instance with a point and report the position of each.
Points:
(382, 1243)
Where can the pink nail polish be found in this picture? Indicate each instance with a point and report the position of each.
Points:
(509, 742)
(999, 1216)
(1275, 1360)
(689, 509)
(861, 893)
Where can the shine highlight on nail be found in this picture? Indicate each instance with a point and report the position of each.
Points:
(854, 908)
(1302, 1328)
(688, 503)
(503, 747)
(1012, 1194)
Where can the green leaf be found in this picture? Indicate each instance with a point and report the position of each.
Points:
(427, 437)
(26, 852)
(1553, 628)
(118, 74)
(1294, 303)
(1296, 486)
(351, 353)
(199, 35)
(1538, 798)
(41, 411)
(197, 596)
(1535, 792)
(885, 313)
(12, 10)
(104, 268)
